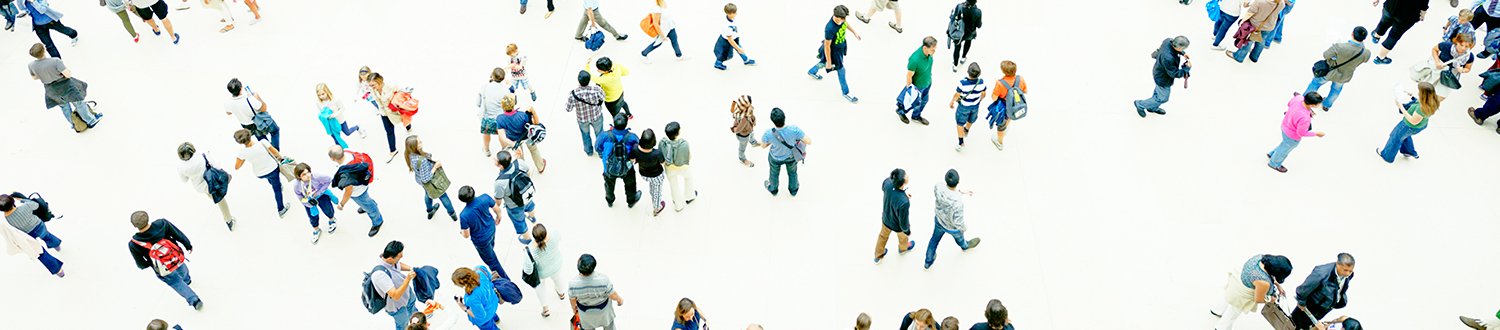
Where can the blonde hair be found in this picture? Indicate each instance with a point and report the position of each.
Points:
(1465, 15)
(323, 93)
(1427, 96)
(1008, 67)
(364, 73)
(510, 49)
(508, 102)
(661, 3)
(862, 322)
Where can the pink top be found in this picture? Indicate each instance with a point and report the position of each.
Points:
(1298, 121)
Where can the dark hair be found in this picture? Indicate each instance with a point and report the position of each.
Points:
(995, 314)
(971, 2)
(1279, 267)
(38, 51)
(185, 151)
(1359, 35)
(235, 87)
(584, 78)
(156, 324)
(418, 322)
(299, 169)
(929, 41)
(7, 203)
(503, 159)
(466, 194)
(140, 220)
(621, 121)
(392, 249)
(951, 178)
(1312, 98)
(1352, 324)
(898, 177)
(778, 117)
(586, 264)
(840, 11)
(604, 64)
(539, 233)
(672, 129)
(648, 139)
(974, 70)
(242, 136)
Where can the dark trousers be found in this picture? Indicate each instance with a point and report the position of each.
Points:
(486, 250)
(1396, 28)
(1302, 322)
(390, 132)
(1489, 109)
(616, 107)
(631, 194)
(1483, 17)
(961, 50)
(44, 32)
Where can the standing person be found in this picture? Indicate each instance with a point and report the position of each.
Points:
(996, 317)
(355, 183)
(608, 78)
(489, 106)
(479, 300)
(1171, 63)
(8, 10)
(1264, 15)
(60, 89)
(1297, 124)
(664, 22)
(743, 128)
(385, 93)
(919, 78)
(394, 278)
(878, 6)
(1011, 83)
(972, 18)
(967, 97)
(1259, 281)
(949, 217)
(264, 162)
(517, 68)
(196, 170)
(44, 20)
(591, 17)
(429, 173)
(331, 115)
(545, 263)
(728, 42)
(1342, 58)
(375, 94)
(788, 147)
(1229, 17)
(585, 102)
(688, 317)
(117, 7)
(1396, 17)
(244, 105)
(19, 243)
(477, 223)
(651, 162)
(146, 8)
(516, 127)
(590, 294)
(513, 188)
(835, 46)
(919, 320)
(1324, 290)
(159, 245)
(19, 213)
(679, 175)
(895, 216)
(1414, 120)
(312, 191)
(614, 151)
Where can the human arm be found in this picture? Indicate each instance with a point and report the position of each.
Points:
(348, 191)
(909, 75)
(1436, 50)
(400, 290)
(616, 297)
(953, 103)
(138, 254)
(1261, 289)
(1412, 117)
(238, 162)
(175, 235)
(590, 14)
(828, 53)
(735, 44)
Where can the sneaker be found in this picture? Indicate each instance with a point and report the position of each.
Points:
(904, 120)
(317, 234)
(281, 213)
(883, 252)
(523, 240)
(362, 134)
(1158, 111)
(1376, 38)
(75, 41)
(1476, 119)
(136, 39)
(695, 197)
(923, 121)
(1471, 322)
(175, 38)
(861, 17)
(1141, 112)
(910, 245)
(10, 26)
(955, 68)
(431, 212)
(851, 98)
(1281, 169)
(959, 148)
(393, 156)
(333, 225)
(621, 37)
(973, 243)
(750, 63)
(488, 154)
(747, 163)
(1216, 48)
(453, 216)
(230, 223)
(373, 230)
(815, 76)
(998, 146)
(523, 10)
(894, 27)
(1382, 60)
(767, 184)
(963, 60)
(197, 306)
(720, 66)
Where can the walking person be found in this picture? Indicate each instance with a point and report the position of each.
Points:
(1414, 118)
(516, 126)
(877, 6)
(895, 216)
(679, 175)
(970, 92)
(614, 151)
(662, 21)
(18, 243)
(544, 263)
(1275, 35)
(374, 94)
(246, 105)
(590, 295)
(591, 17)
(918, 78)
(117, 7)
(1010, 83)
(788, 146)
(972, 18)
(490, 96)
(44, 20)
(60, 90)
(331, 115)
(1487, 14)
(1229, 18)
(728, 42)
(355, 173)
(9, 10)
(385, 97)
(948, 217)
(265, 162)
(479, 300)
(1297, 124)
(160, 246)
(312, 191)
(652, 167)
(743, 128)
(394, 278)
(514, 188)
(1171, 63)
(1396, 17)
(586, 101)
(198, 171)
(609, 79)
(996, 317)
(1263, 15)
(1258, 282)
(477, 223)
(146, 9)
(835, 46)
(1324, 290)
(517, 66)
(688, 317)
(20, 213)
(429, 173)
(1342, 58)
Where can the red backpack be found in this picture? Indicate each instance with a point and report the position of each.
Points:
(363, 158)
(165, 255)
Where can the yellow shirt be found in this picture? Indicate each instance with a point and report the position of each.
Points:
(610, 82)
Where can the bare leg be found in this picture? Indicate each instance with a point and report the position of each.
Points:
(168, 23)
(254, 8)
(154, 28)
(486, 143)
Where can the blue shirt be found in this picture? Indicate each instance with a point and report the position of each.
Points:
(482, 302)
(788, 134)
(694, 324)
(514, 124)
(477, 219)
(590, 4)
(37, 17)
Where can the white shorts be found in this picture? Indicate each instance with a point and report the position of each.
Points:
(886, 4)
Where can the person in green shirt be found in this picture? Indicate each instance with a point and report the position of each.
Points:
(1414, 120)
(918, 79)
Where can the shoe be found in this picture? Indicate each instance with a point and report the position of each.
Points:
(1231, 56)
(453, 216)
(1281, 169)
(904, 120)
(197, 306)
(393, 156)
(157, 32)
(963, 60)
(894, 27)
(230, 223)
(255, 21)
(431, 212)
(362, 134)
(630, 202)
(542, 170)
(578, 38)
(175, 39)
(1214, 313)
(998, 146)
(959, 148)
(955, 68)
(747, 163)
(1376, 38)
(523, 240)
(373, 230)
(533, 96)
(333, 225)
(1141, 112)
(923, 121)
(750, 63)
(621, 37)
(720, 66)
(815, 76)
(62, 274)
(679, 59)
(546, 312)
(10, 26)
(695, 197)
(910, 245)
(851, 98)
(793, 192)
(1382, 60)
(1476, 119)
(1216, 48)
(75, 42)
(1158, 111)
(883, 252)
(767, 184)
(281, 213)
(1471, 322)
(862, 18)
(926, 266)
(317, 234)
(1410, 156)
(973, 243)
(548, 15)
(659, 207)
(136, 39)
(523, 10)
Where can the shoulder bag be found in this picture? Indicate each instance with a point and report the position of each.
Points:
(1320, 68)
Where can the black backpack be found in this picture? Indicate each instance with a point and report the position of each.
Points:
(356, 174)
(373, 298)
(216, 179)
(520, 188)
(618, 162)
(42, 210)
(956, 23)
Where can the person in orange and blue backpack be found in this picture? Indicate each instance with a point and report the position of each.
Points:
(666, 28)
(161, 246)
(1002, 88)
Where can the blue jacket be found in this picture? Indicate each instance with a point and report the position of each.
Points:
(605, 146)
(482, 302)
(426, 282)
(44, 8)
(1321, 289)
(1168, 65)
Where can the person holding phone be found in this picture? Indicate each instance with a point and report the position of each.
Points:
(479, 301)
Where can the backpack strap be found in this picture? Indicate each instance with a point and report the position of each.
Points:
(142, 244)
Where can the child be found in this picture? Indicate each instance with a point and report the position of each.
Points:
(518, 71)
(744, 125)
(649, 162)
(729, 40)
(862, 322)
(1459, 24)
(999, 121)
(667, 31)
(678, 156)
(968, 96)
(949, 323)
(1296, 125)
(312, 191)
(331, 114)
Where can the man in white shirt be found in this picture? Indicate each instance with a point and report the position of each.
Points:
(243, 105)
(194, 165)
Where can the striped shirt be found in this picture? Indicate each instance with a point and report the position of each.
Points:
(592, 290)
(22, 217)
(971, 92)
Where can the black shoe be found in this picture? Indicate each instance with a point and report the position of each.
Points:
(360, 211)
(1140, 111)
(431, 212)
(578, 38)
(904, 120)
(1158, 111)
(923, 121)
(453, 216)
(769, 188)
(622, 37)
(373, 230)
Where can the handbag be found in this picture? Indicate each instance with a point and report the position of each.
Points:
(1278, 319)
(438, 185)
(264, 124)
(1449, 79)
(1321, 69)
(531, 278)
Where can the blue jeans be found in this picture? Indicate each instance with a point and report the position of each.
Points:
(178, 280)
(791, 175)
(53, 265)
(1222, 26)
(486, 249)
(918, 106)
(83, 111)
(9, 11)
(843, 82)
(403, 315)
(447, 203)
(937, 236)
(40, 232)
(1279, 154)
(1158, 98)
(584, 127)
(671, 35)
(1333, 91)
(518, 216)
(1253, 49)
(323, 200)
(1400, 140)
(371, 209)
(275, 179)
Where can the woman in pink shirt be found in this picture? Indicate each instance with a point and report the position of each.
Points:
(1296, 125)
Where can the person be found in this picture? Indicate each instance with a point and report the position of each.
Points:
(264, 163)
(158, 8)
(973, 18)
(878, 6)
(520, 212)
(477, 223)
(1295, 125)
(678, 158)
(1324, 290)
(968, 95)
(384, 94)
(117, 7)
(1000, 121)
(728, 42)
(788, 149)
(1414, 120)
(919, 78)
(490, 96)
(652, 167)
(949, 323)
(920, 319)
(590, 295)
(349, 162)
(429, 173)
(1171, 63)
(743, 112)
(1459, 24)
(60, 89)
(688, 317)
(662, 19)
(375, 93)
(479, 300)
(895, 215)
(591, 17)
(331, 115)
(1229, 17)
(159, 245)
(244, 105)
(394, 278)
(8, 10)
(1342, 59)
(835, 46)
(1482, 323)
(419, 322)
(1259, 281)
(1264, 15)
(1275, 35)
(614, 152)
(609, 79)
(192, 170)
(516, 126)
(19, 243)
(545, 262)
(1396, 16)
(517, 66)
(862, 322)
(312, 191)
(996, 317)
(44, 20)
(1485, 12)
(1453, 56)
(19, 213)
(585, 102)
(949, 217)
(158, 324)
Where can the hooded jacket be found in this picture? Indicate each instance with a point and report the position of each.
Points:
(160, 229)
(1168, 64)
(897, 208)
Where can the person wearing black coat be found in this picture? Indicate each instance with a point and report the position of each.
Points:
(162, 236)
(970, 14)
(896, 215)
(1325, 289)
(1170, 64)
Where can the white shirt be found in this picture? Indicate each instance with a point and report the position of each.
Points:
(261, 162)
(667, 23)
(241, 108)
(1232, 7)
(731, 30)
(143, 3)
(191, 171)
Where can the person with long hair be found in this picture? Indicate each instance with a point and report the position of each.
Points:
(430, 175)
(331, 115)
(688, 317)
(479, 300)
(1258, 282)
(969, 13)
(546, 262)
(920, 319)
(380, 94)
(312, 191)
(1414, 116)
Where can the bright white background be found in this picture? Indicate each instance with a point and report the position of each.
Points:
(1092, 217)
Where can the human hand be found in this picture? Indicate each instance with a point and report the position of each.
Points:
(950, 105)
(1319, 134)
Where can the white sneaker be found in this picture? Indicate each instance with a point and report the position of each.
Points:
(75, 41)
(959, 148)
(317, 234)
(361, 132)
(333, 225)
(683, 58)
(955, 68)
(998, 145)
(645, 60)
(963, 60)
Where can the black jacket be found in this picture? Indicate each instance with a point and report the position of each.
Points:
(973, 19)
(160, 229)
(1321, 289)
(1168, 65)
(1405, 10)
(897, 209)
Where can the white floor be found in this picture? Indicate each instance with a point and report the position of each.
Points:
(1092, 217)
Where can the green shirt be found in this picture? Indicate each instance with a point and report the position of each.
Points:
(1416, 108)
(921, 64)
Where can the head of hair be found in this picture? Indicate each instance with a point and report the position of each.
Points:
(300, 169)
(1312, 98)
(508, 102)
(995, 314)
(951, 178)
(7, 203)
(924, 316)
(971, 2)
(539, 233)
(364, 71)
(377, 79)
(684, 306)
(1427, 96)
(497, 75)
(1352, 324)
(510, 49)
(672, 129)
(1180, 43)
(242, 136)
(974, 70)
(156, 324)
(1008, 68)
(322, 92)
(336, 153)
(38, 51)
(929, 42)
(185, 151)
(413, 147)
(418, 322)
(898, 177)
(1463, 39)
(1360, 33)
(754, 326)
(604, 64)
(1346, 259)
(862, 322)
(140, 220)
(949, 323)
(503, 159)
(778, 117)
(1279, 267)
(621, 121)
(730, 8)
(584, 78)
(648, 139)
(466, 278)
(586, 264)
(466, 194)
(235, 86)
(840, 11)
(1465, 14)
(392, 249)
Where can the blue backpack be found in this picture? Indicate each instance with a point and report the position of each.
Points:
(373, 298)
(594, 40)
(216, 179)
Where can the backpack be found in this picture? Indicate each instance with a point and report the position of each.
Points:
(535, 133)
(216, 179)
(507, 290)
(956, 23)
(651, 25)
(617, 163)
(403, 103)
(521, 188)
(373, 298)
(1015, 100)
(165, 255)
(594, 40)
(42, 210)
(353, 174)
